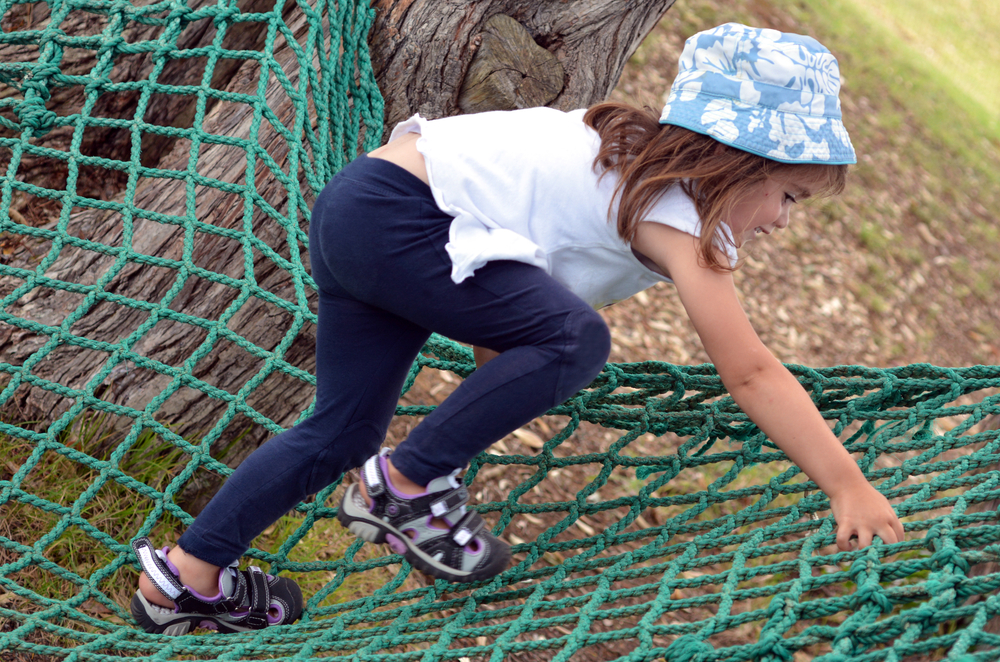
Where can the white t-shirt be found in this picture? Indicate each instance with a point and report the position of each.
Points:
(521, 186)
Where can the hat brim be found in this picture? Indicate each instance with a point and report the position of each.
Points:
(781, 136)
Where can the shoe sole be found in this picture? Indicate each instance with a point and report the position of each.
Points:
(171, 624)
(364, 525)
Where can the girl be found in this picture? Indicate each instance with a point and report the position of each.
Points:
(507, 230)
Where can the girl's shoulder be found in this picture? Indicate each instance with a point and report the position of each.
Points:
(677, 210)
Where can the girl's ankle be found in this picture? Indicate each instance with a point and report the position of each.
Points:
(402, 484)
(194, 573)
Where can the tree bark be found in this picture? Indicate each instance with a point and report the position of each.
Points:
(421, 51)
(173, 110)
(226, 366)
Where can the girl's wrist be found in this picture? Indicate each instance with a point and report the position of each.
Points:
(852, 484)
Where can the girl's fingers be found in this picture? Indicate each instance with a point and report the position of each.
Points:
(897, 526)
(844, 538)
(864, 538)
(892, 533)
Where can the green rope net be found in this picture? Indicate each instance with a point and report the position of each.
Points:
(650, 518)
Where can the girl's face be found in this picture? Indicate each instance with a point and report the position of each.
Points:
(765, 207)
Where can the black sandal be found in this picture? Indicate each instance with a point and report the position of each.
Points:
(464, 552)
(247, 600)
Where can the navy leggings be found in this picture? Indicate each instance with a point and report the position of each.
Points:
(377, 247)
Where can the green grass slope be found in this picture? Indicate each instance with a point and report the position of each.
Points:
(955, 38)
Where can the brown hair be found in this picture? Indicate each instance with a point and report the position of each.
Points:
(651, 158)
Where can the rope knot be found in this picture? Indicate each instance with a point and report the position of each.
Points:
(778, 605)
(689, 648)
(940, 582)
(870, 593)
(225, 15)
(922, 615)
(772, 648)
(34, 114)
(949, 556)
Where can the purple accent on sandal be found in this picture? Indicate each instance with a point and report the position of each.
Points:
(430, 519)
(415, 536)
(395, 543)
(205, 598)
(393, 510)
(478, 548)
(385, 473)
(208, 625)
(274, 620)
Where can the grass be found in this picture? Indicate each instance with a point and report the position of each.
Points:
(67, 558)
(929, 146)
(957, 39)
(889, 64)
(110, 512)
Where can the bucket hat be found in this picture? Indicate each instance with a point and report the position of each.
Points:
(771, 93)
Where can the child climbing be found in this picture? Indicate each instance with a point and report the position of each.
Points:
(507, 231)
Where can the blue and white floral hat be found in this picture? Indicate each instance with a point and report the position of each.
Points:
(763, 91)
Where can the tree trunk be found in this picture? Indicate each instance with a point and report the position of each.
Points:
(422, 49)
(174, 110)
(421, 52)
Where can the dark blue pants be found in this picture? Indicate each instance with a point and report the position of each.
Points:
(376, 244)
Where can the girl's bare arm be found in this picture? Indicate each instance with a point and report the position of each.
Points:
(764, 389)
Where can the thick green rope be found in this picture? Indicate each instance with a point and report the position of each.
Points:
(716, 549)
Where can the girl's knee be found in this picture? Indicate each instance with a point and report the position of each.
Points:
(595, 336)
(587, 346)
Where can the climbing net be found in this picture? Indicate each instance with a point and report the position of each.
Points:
(649, 517)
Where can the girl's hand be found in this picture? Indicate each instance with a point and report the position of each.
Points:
(862, 511)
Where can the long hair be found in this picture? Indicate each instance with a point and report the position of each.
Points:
(651, 158)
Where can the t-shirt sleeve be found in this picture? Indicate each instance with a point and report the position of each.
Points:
(677, 210)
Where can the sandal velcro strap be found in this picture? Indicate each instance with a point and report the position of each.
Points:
(451, 500)
(188, 602)
(240, 591)
(260, 599)
(371, 473)
(467, 528)
(156, 569)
